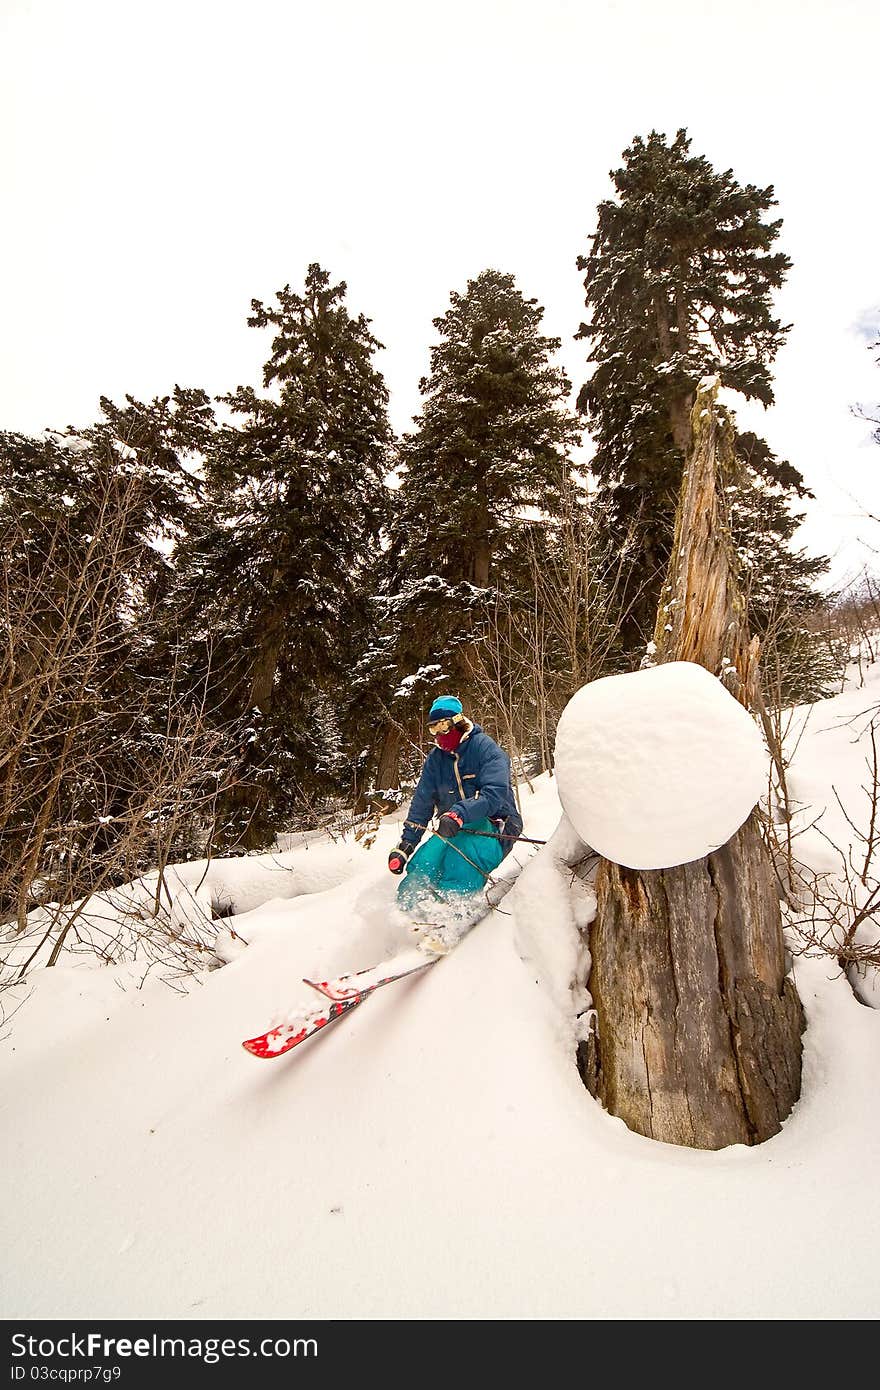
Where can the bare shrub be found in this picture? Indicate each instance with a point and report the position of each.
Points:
(852, 622)
(835, 913)
(563, 629)
(108, 766)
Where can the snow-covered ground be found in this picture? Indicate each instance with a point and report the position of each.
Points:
(435, 1155)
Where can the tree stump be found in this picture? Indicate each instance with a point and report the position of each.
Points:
(698, 1038)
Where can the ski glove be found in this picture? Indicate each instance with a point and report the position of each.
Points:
(398, 857)
(450, 824)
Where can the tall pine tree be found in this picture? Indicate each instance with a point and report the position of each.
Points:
(679, 285)
(487, 458)
(273, 573)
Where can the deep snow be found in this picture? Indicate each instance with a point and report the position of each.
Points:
(435, 1155)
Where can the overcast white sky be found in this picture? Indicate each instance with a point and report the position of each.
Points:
(165, 161)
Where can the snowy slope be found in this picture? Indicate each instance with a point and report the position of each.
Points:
(435, 1155)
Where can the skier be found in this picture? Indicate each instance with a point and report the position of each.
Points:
(466, 780)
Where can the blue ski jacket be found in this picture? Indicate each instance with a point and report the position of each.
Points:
(474, 782)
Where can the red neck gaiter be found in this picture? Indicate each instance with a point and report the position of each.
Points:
(449, 742)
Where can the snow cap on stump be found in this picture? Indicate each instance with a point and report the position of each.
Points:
(658, 767)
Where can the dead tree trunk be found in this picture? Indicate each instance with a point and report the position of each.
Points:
(698, 1036)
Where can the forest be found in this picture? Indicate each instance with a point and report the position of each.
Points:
(225, 617)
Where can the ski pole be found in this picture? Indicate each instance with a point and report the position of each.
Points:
(504, 884)
(487, 834)
(520, 839)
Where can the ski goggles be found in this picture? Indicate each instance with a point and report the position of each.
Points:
(441, 726)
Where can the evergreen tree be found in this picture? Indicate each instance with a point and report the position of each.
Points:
(679, 284)
(778, 582)
(272, 574)
(488, 456)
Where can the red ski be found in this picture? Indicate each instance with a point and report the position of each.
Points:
(346, 992)
(360, 983)
(287, 1035)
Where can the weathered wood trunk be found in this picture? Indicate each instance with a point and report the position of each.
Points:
(698, 1028)
(702, 614)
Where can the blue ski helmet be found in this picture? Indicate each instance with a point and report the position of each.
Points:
(444, 707)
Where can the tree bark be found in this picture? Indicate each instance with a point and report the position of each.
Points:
(269, 641)
(388, 768)
(702, 614)
(698, 1038)
(680, 407)
(698, 1028)
(481, 562)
